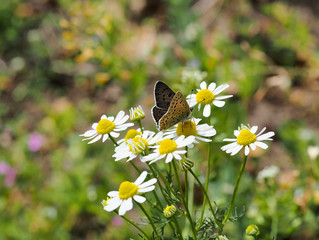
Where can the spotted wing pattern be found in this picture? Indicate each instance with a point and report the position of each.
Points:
(178, 111)
(163, 95)
(158, 113)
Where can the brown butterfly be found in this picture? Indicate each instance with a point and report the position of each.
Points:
(170, 108)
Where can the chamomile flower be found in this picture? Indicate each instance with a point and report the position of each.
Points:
(123, 198)
(137, 113)
(245, 137)
(169, 149)
(192, 127)
(207, 96)
(107, 126)
(132, 147)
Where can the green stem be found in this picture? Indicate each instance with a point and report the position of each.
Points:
(206, 184)
(242, 167)
(136, 226)
(274, 222)
(183, 200)
(207, 197)
(148, 217)
(140, 125)
(113, 140)
(136, 168)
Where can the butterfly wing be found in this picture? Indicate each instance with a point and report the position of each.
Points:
(178, 111)
(157, 113)
(163, 95)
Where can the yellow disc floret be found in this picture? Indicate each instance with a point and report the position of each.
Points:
(187, 128)
(105, 126)
(131, 134)
(205, 96)
(167, 146)
(169, 211)
(127, 189)
(138, 145)
(245, 137)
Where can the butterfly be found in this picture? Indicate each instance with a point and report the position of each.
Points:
(170, 108)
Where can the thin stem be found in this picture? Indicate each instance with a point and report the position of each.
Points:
(148, 217)
(206, 184)
(207, 197)
(136, 226)
(242, 167)
(183, 200)
(113, 140)
(136, 168)
(140, 125)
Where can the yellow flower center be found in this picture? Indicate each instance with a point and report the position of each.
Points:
(127, 189)
(131, 134)
(105, 126)
(205, 96)
(187, 128)
(138, 145)
(245, 137)
(167, 146)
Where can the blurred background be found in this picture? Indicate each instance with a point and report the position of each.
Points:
(64, 63)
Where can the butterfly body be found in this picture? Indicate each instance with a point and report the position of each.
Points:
(170, 107)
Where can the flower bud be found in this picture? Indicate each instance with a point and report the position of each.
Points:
(137, 113)
(186, 164)
(169, 211)
(252, 230)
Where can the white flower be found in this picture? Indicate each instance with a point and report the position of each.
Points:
(245, 137)
(192, 127)
(169, 149)
(106, 127)
(313, 152)
(128, 191)
(206, 96)
(192, 75)
(222, 237)
(138, 143)
(268, 172)
(137, 113)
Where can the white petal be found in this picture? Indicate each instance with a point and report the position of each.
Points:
(103, 116)
(261, 131)
(230, 139)
(236, 150)
(141, 178)
(266, 136)
(94, 125)
(203, 139)
(261, 145)
(180, 151)
(176, 156)
(206, 110)
(223, 97)
(126, 205)
(220, 88)
(218, 103)
(246, 150)
(236, 133)
(105, 137)
(203, 85)
(123, 120)
(112, 204)
(229, 146)
(119, 116)
(253, 146)
(148, 183)
(199, 105)
(149, 157)
(88, 133)
(114, 134)
(111, 118)
(169, 158)
(139, 199)
(97, 138)
(254, 129)
(113, 194)
(212, 86)
(147, 189)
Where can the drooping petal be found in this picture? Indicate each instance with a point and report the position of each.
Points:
(105, 137)
(97, 138)
(177, 156)
(112, 204)
(253, 146)
(246, 150)
(114, 134)
(206, 112)
(88, 133)
(169, 157)
(126, 205)
(236, 150)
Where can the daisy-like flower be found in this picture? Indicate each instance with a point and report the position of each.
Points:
(106, 127)
(192, 127)
(169, 149)
(137, 144)
(207, 96)
(245, 137)
(137, 113)
(128, 191)
(169, 211)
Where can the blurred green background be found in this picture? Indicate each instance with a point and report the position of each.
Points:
(65, 63)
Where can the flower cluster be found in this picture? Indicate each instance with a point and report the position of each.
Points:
(170, 145)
